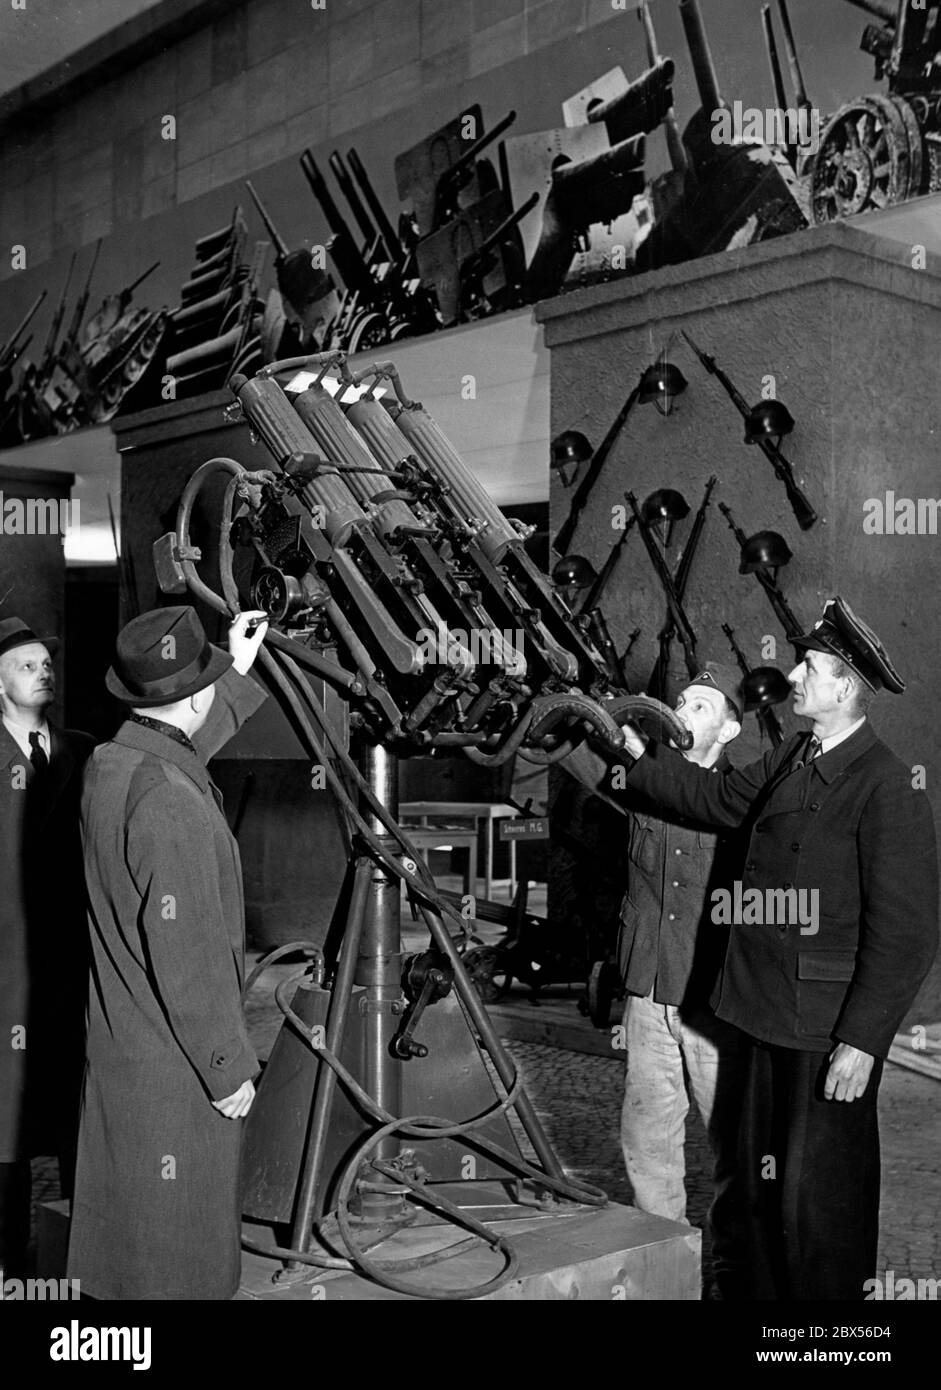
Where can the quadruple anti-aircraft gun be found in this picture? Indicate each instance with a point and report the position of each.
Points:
(391, 579)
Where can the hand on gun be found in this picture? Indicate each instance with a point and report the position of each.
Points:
(634, 741)
(246, 635)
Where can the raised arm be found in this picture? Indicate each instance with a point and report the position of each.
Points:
(237, 695)
(665, 777)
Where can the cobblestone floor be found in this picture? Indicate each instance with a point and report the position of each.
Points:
(578, 1098)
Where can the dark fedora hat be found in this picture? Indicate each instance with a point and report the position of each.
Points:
(15, 633)
(164, 656)
(842, 634)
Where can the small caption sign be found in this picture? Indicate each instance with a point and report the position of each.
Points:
(532, 828)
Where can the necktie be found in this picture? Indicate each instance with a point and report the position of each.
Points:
(810, 752)
(37, 754)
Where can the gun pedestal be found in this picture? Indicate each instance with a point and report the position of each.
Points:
(408, 1048)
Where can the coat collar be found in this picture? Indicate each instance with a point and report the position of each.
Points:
(167, 749)
(10, 750)
(830, 765)
(61, 760)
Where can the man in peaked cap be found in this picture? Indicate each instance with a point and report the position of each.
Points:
(169, 1064)
(43, 961)
(669, 956)
(831, 812)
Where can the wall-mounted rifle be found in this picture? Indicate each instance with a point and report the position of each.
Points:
(659, 676)
(760, 690)
(806, 516)
(683, 629)
(761, 555)
(563, 541)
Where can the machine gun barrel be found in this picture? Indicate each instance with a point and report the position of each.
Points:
(797, 77)
(52, 337)
(775, 597)
(598, 631)
(477, 262)
(764, 713)
(563, 541)
(707, 83)
(453, 176)
(685, 632)
(678, 157)
(346, 254)
(800, 503)
(350, 193)
(388, 233)
(280, 245)
(777, 77)
(129, 289)
(81, 304)
(9, 351)
(642, 107)
(880, 8)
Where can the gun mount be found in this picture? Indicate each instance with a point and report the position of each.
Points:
(390, 575)
(884, 148)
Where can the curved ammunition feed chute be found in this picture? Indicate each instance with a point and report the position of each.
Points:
(378, 535)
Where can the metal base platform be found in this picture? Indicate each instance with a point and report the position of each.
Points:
(598, 1254)
(606, 1254)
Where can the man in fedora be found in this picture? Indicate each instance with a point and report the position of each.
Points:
(833, 813)
(170, 1067)
(669, 956)
(43, 960)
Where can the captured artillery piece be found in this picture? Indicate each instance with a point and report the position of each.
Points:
(717, 195)
(383, 298)
(120, 344)
(461, 220)
(308, 293)
(84, 379)
(883, 148)
(218, 327)
(587, 176)
(10, 353)
(390, 577)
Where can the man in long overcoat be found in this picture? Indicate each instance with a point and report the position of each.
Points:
(170, 1066)
(43, 933)
(820, 994)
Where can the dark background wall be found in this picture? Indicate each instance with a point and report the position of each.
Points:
(251, 84)
(849, 331)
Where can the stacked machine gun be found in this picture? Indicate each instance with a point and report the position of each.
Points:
(391, 577)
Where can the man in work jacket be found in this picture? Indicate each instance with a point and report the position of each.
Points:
(670, 955)
(833, 822)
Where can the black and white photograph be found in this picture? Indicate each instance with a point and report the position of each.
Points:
(469, 654)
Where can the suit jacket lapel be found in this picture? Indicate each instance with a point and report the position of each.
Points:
(60, 769)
